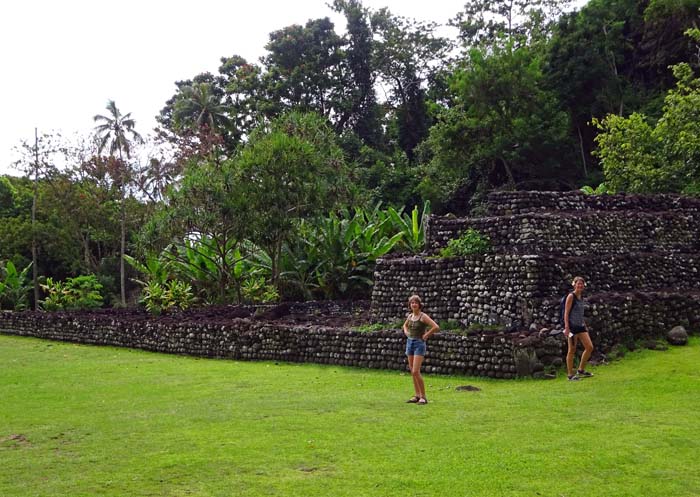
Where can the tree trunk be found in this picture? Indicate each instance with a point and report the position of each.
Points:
(583, 152)
(86, 251)
(35, 269)
(122, 250)
(509, 173)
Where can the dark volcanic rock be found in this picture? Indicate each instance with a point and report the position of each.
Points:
(677, 336)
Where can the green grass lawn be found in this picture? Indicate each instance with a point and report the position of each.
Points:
(91, 421)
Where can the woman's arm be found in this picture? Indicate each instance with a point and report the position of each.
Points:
(434, 328)
(405, 327)
(567, 310)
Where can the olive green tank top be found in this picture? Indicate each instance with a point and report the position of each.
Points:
(417, 328)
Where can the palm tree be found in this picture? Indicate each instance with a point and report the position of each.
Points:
(157, 176)
(113, 131)
(199, 108)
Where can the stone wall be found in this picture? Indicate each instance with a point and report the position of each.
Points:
(512, 203)
(638, 254)
(496, 355)
(486, 289)
(587, 232)
(509, 289)
(616, 318)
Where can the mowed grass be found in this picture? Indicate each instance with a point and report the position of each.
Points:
(91, 421)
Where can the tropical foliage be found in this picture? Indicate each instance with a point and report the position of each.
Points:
(470, 242)
(14, 287)
(81, 292)
(159, 298)
(334, 257)
(665, 157)
(288, 177)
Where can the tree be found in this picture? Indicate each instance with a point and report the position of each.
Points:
(156, 176)
(407, 54)
(199, 121)
(361, 112)
(38, 162)
(8, 193)
(613, 57)
(95, 215)
(664, 42)
(65, 245)
(292, 169)
(638, 157)
(485, 23)
(16, 233)
(244, 92)
(201, 111)
(117, 132)
(206, 220)
(504, 130)
(303, 70)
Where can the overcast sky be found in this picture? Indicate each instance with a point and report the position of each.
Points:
(63, 59)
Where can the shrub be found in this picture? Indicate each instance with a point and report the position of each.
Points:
(369, 328)
(601, 189)
(470, 242)
(256, 289)
(159, 298)
(81, 292)
(14, 287)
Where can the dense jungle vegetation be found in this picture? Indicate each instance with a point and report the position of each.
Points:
(286, 178)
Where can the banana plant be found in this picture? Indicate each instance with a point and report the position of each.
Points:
(339, 252)
(156, 269)
(412, 227)
(214, 267)
(14, 287)
(298, 263)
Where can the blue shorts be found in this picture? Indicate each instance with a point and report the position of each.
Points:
(576, 329)
(415, 346)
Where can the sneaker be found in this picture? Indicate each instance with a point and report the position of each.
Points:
(583, 374)
(574, 377)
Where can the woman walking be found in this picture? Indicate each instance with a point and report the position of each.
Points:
(418, 327)
(575, 330)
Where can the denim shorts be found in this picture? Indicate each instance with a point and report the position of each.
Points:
(576, 329)
(415, 346)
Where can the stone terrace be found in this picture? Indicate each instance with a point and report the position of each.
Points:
(639, 255)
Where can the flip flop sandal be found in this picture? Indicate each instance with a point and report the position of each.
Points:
(422, 401)
(413, 400)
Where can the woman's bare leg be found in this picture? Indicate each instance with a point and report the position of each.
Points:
(588, 349)
(418, 383)
(570, 354)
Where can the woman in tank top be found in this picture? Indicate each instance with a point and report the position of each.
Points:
(575, 330)
(418, 327)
